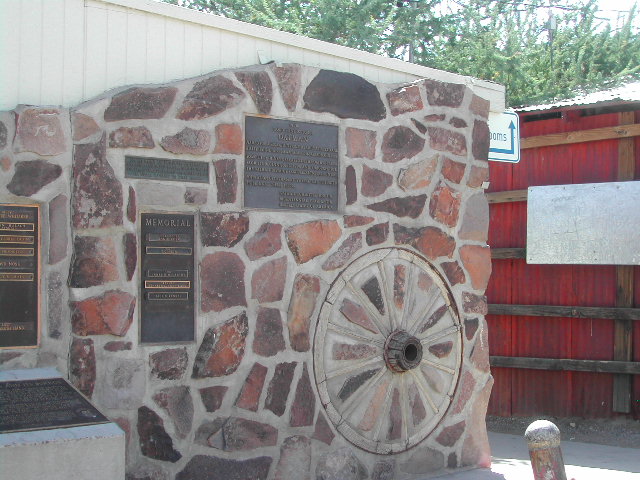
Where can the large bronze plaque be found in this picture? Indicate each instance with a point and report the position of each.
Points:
(167, 306)
(166, 169)
(19, 275)
(290, 165)
(44, 404)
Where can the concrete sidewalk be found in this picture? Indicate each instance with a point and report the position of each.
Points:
(583, 461)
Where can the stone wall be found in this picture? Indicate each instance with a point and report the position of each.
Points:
(243, 400)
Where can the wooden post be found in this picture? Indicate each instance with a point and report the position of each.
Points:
(543, 440)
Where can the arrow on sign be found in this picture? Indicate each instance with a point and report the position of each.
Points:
(510, 151)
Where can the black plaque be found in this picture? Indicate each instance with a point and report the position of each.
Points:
(290, 165)
(167, 306)
(19, 275)
(166, 169)
(44, 404)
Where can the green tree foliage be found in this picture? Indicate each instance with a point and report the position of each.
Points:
(507, 41)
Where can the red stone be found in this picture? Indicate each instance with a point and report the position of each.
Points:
(241, 434)
(350, 185)
(472, 303)
(83, 126)
(39, 130)
(134, 137)
(249, 396)
(481, 139)
(478, 176)
(348, 351)
(222, 348)
(431, 241)
(356, 220)
(418, 175)
(374, 182)
(118, 346)
(475, 221)
(178, 404)
(110, 313)
(132, 210)
(358, 315)
(470, 327)
(418, 412)
(303, 408)
(31, 176)
(82, 365)
(360, 143)
(395, 417)
(480, 106)
(399, 288)
(405, 99)
(154, 440)
(210, 97)
(441, 350)
(477, 261)
(420, 126)
(475, 449)
(222, 282)
(457, 122)
(444, 94)
(400, 143)
(451, 434)
(229, 139)
(295, 459)
(464, 392)
(265, 242)
(142, 103)
(453, 171)
(267, 282)
(258, 84)
(5, 164)
(226, 180)
(343, 254)
(444, 205)
(130, 251)
(288, 77)
(223, 229)
(323, 430)
(188, 140)
(268, 339)
(374, 409)
(278, 391)
(169, 364)
(480, 353)
(212, 397)
(58, 225)
(410, 206)
(308, 240)
(94, 262)
(435, 118)
(447, 141)
(377, 234)
(195, 196)
(454, 273)
(306, 289)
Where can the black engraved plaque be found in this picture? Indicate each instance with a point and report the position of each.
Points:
(19, 275)
(290, 165)
(44, 404)
(166, 169)
(167, 301)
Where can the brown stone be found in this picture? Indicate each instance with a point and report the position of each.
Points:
(475, 221)
(470, 327)
(480, 353)
(451, 434)
(222, 282)
(475, 449)
(323, 430)
(267, 281)
(399, 284)
(140, 103)
(311, 239)
(453, 171)
(418, 412)
(31, 176)
(5, 164)
(356, 220)
(39, 130)
(249, 395)
(265, 242)
(306, 289)
(223, 229)
(418, 175)
(447, 141)
(357, 315)
(154, 440)
(210, 97)
(188, 140)
(97, 193)
(222, 348)
(212, 397)
(268, 339)
(395, 417)
(481, 139)
(420, 126)
(226, 180)
(350, 184)
(118, 346)
(58, 225)
(258, 84)
(169, 364)
(436, 117)
(441, 350)
(477, 176)
(464, 392)
(400, 143)
(132, 209)
(431, 241)
(94, 262)
(454, 273)
(345, 95)
(343, 254)
(472, 303)
(457, 122)
(410, 206)
(295, 459)
(374, 182)
(477, 261)
(195, 196)
(480, 106)
(108, 314)
(360, 143)
(229, 139)
(303, 408)
(444, 205)
(134, 137)
(278, 391)
(83, 126)
(354, 382)
(340, 464)
(452, 461)
(405, 99)
(206, 467)
(288, 77)
(178, 404)
(130, 251)
(82, 365)
(444, 94)
(241, 434)
(377, 234)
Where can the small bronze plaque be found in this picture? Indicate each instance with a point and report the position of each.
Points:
(167, 264)
(19, 275)
(44, 404)
(166, 169)
(290, 165)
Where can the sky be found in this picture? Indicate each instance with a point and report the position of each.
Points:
(613, 8)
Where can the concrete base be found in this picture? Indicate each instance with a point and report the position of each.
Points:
(94, 451)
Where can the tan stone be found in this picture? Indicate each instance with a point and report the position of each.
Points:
(418, 175)
(308, 240)
(477, 261)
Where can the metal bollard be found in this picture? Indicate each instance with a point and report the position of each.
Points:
(543, 439)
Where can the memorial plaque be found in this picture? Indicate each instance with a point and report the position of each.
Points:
(19, 275)
(290, 165)
(167, 302)
(166, 169)
(44, 404)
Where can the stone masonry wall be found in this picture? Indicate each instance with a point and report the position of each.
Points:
(241, 402)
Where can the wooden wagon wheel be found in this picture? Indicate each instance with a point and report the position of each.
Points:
(387, 351)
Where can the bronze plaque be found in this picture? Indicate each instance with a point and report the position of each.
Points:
(44, 404)
(166, 169)
(167, 302)
(19, 275)
(290, 165)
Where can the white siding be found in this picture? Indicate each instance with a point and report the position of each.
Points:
(62, 52)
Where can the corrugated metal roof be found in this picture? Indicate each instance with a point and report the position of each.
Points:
(626, 93)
